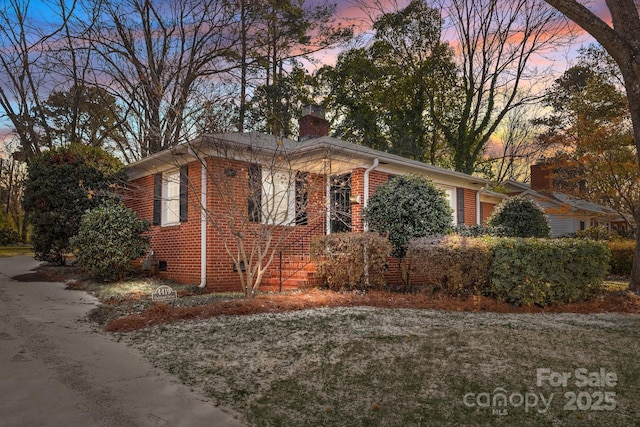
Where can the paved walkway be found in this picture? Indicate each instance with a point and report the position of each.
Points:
(58, 370)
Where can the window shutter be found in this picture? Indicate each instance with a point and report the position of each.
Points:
(157, 198)
(255, 193)
(460, 204)
(184, 193)
(302, 198)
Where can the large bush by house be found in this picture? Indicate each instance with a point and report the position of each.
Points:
(408, 207)
(454, 265)
(109, 238)
(546, 271)
(63, 184)
(351, 260)
(519, 217)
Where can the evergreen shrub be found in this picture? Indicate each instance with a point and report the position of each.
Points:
(519, 217)
(547, 271)
(408, 207)
(109, 238)
(63, 184)
(9, 237)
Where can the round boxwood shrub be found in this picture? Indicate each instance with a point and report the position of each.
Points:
(407, 207)
(519, 217)
(110, 237)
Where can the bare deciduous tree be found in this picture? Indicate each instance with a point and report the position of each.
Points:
(12, 176)
(496, 43)
(155, 55)
(514, 148)
(24, 45)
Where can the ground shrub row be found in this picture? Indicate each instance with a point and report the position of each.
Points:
(516, 270)
(545, 271)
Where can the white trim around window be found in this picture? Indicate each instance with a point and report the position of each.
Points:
(171, 198)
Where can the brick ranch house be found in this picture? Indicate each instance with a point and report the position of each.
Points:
(200, 195)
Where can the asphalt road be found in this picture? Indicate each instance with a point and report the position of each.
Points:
(56, 369)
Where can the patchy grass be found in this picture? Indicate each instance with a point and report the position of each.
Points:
(381, 359)
(365, 366)
(7, 251)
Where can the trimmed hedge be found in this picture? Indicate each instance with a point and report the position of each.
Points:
(351, 260)
(516, 270)
(543, 271)
(621, 256)
(454, 265)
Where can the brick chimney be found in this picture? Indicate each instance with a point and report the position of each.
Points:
(313, 123)
(541, 177)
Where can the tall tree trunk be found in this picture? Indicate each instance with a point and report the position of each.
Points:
(632, 84)
(622, 42)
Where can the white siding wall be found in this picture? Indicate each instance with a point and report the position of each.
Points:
(561, 225)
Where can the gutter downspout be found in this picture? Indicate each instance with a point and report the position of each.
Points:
(375, 164)
(478, 207)
(203, 226)
(203, 219)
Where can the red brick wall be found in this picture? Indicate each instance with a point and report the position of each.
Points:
(357, 188)
(541, 179)
(486, 209)
(179, 245)
(470, 213)
(376, 178)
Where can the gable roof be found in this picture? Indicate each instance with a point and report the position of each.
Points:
(573, 204)
(353, 155)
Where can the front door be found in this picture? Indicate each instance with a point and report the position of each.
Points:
(340, 194)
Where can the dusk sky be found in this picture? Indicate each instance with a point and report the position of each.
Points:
(349, 12)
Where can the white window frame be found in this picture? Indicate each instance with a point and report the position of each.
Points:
(170, 198)
(452, 197)
(278, 197)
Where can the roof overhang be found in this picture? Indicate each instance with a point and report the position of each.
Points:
(314, 155)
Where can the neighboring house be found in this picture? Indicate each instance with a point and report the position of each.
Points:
(566, 214)
(323, 189)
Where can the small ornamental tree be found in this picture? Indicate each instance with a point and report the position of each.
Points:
(63, 184)
(109, 238)
(407, 207)
(519, 217)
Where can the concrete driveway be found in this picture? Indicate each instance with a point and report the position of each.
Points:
(58, 370)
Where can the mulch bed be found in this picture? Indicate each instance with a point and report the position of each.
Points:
(159, 313)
